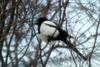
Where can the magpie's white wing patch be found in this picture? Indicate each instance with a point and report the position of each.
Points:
(47, 30)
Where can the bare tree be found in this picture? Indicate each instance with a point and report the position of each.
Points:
(20, 46)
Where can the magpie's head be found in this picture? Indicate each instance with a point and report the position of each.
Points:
(41, 20)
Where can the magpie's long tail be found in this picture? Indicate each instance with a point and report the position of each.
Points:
(71, 46)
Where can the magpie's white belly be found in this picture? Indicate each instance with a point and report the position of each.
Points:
(48, 30)
(43, 38)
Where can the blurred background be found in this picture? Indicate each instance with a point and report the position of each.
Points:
(20, 46)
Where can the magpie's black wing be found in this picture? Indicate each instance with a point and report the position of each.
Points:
(62, 32)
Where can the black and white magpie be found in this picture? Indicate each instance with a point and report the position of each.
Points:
(50, 31)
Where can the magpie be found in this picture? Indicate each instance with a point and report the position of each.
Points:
(50, 31)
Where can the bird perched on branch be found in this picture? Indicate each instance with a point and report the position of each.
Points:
(50, 31)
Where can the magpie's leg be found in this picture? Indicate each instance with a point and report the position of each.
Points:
(71, 46)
